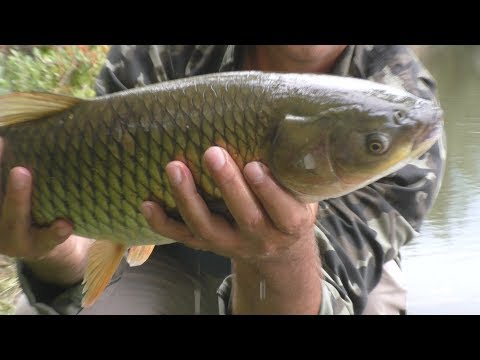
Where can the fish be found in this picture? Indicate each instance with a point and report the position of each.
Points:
(94, 161)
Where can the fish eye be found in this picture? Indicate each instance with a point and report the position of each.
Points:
(377, 144)
(399, 116)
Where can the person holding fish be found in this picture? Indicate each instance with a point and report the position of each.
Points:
(305, 213)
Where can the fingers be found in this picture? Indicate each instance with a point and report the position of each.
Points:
(165, 226)
(19, 239)
(265, 213)
(189, 202)
(249, 200)
(202, 223)
(240, 200)
(16, 205)
(287, 213)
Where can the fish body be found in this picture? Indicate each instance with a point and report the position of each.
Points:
(95, 161)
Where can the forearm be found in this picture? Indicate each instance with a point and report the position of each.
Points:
(290, 284)
(64, 265)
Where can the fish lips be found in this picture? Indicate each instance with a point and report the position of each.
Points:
(430, 133)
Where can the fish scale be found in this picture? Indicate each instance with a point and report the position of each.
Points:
(109, 161)
(110, 153)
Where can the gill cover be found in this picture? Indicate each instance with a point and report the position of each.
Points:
(299, 156)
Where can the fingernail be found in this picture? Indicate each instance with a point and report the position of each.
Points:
(217, 158)
(254, 172)
(20, 181)
(174, 175)
(62, 230)
(146, 210)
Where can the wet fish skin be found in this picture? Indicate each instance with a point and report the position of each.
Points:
(95, 162)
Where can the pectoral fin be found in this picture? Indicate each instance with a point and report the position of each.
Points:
(137, 255)
(103, 259)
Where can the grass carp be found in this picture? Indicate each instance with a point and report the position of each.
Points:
(95, 161)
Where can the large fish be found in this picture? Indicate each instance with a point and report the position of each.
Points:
(95, 161)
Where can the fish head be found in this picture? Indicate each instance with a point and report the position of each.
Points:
(380, 138)
(351, 145)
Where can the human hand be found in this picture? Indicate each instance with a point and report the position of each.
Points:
(269, 221)
(17, 237)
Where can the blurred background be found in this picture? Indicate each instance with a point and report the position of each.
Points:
(441, 265)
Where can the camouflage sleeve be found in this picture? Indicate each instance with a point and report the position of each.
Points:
(48, 299)
(367, 228)
(129, 66)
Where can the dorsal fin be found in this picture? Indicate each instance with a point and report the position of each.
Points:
(18, 107)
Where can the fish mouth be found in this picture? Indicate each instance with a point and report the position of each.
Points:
(429, 135)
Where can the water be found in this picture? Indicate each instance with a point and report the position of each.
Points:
(442, 265)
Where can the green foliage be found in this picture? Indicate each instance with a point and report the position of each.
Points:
(68, 70)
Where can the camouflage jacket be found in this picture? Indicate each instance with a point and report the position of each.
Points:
(356, 233)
